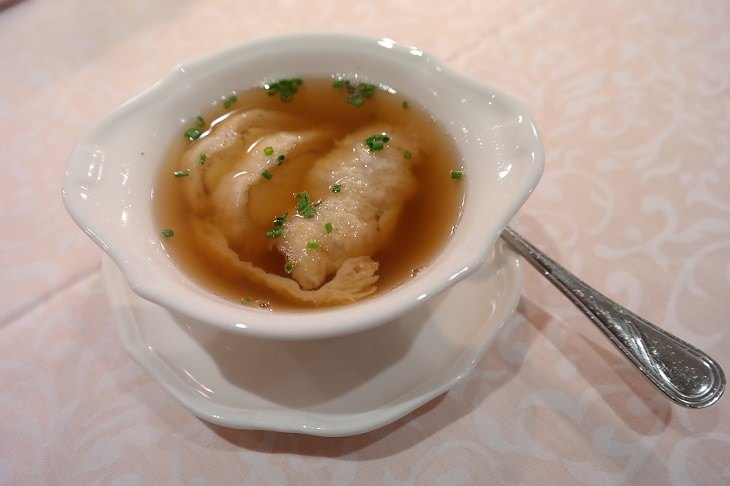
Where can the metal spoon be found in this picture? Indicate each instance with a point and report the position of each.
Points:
(682, 372)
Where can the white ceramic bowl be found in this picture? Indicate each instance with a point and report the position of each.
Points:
(112, 171)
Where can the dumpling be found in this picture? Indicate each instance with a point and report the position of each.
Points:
(221, 181)
(353, 281)
(359, 194)
(340, 208)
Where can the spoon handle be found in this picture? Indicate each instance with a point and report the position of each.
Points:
(682, 372)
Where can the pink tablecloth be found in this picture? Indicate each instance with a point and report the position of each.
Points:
(633, 101)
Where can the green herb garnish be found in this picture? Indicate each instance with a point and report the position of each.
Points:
(313, 244)
(280, 159)
(305, 206)
(404, 104)
(285, 88)
(168, 232)
(266, 175)
(199, 122)
(357, 93)
(275, 233)
(328, 228)
(407, 154)
(202, 158)
(336, 188)
(246, 301)
(277, 227)
(269, 151)
(376, 142)
(228, 101)
(193, 133)
(289, 267)
(181, 173)
(457, 174)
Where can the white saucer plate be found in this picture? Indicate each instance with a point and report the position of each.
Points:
(330, 387)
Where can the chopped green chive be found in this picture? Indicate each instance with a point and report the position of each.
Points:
(280, 159)
(407, 154)
(193, 133)
(277, 227)
(202, 158)
(168, 232)
(266, 175)
(336, 188)
(357, 92)
(308, 212)
(313, 244)
(181, 173)
(457, 174)
(285, 88)
(305, 206)
(269, 151)
(246, 301)
(376, 142)
(280, 220)
(328, 227)
(199, 122)
(289, 267)
(229, 101)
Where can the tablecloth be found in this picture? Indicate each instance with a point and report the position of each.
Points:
(633, 103)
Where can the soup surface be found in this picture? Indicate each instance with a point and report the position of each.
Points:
(308, 193)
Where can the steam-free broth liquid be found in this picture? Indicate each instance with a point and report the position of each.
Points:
(427, 220)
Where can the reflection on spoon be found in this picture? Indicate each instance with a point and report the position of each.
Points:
(682, 372)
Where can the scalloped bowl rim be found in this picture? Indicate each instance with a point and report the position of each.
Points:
(108, 188)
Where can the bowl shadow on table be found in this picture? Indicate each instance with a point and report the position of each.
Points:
(4, 4)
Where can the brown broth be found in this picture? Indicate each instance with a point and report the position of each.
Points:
(431, 214)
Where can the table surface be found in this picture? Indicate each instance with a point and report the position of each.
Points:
(633, 102)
